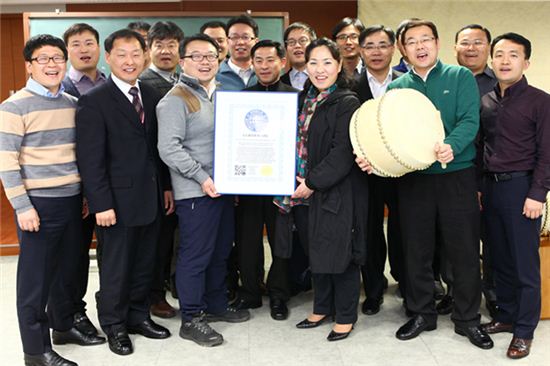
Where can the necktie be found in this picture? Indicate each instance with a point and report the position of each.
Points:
(137, 103)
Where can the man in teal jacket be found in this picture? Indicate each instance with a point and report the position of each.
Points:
(442, 197)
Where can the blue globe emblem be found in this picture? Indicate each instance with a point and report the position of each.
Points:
(256, 120)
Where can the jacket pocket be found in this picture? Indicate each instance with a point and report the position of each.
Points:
(121, 182)
(331, 201)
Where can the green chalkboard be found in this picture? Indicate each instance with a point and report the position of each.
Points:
(271, 25)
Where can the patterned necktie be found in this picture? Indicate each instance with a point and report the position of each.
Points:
(134, 92)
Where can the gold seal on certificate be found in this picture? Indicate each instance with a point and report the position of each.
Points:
(255, 142)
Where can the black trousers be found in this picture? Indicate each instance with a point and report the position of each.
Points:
(337, 293)
(163, 263)
(382, 191)
(255, 212)
(126, 275)
(447, 202)
(47, 267)
(514, 241)
(81, 279)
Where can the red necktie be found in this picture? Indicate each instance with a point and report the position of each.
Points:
(134, 92)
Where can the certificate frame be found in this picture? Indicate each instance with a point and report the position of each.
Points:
(255, 142)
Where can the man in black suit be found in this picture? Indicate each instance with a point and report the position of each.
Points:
(268, 58)
(377, 48)
(122, 174)
(297, 37)
(163, 42)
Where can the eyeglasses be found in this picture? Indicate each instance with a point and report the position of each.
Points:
(303, 41)
(422, 41)
(244, 37)
(381, 47)
(43, 60)
(345, 37)
(475, 43)
(197, 57)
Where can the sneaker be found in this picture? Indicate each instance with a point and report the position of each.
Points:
(198, 331)
(230, 315)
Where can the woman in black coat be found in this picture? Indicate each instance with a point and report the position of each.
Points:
(334, 188)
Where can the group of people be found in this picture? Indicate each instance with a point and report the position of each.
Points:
(131, 156)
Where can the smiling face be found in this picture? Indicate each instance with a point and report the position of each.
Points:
(83, 51)
(422, 48)
(267, 65)
(204, 71)
(48, 75)
(322, 68)
(377, 51)
(509, 62)
(165, 54)
(472, 49)
(239, 49)
(348, 41)
(296, 52)
(218, 34)
(126, 59)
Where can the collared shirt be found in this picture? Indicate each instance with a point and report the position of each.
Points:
(244, 74)
(486, 81)
(515, 134)
(298, 78)
(82, 82)
(425, 77)
(125, 88)
(378, 89)
(209, 90)
(166, 75)
(40, 89)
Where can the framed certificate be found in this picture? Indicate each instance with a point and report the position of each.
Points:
(255, 142)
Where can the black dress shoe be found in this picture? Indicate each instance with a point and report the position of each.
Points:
(74, 336)
(445, 306)
(83, 324)
(335, 336)
(492, 308)
(414, 327)
(279, 310)
(149, 329)
(48, 359)
(242, 304)
(371, 306)
(306, 323)
(119, 342)
(477, 336)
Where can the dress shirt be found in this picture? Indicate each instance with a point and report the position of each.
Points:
(298, 78)
(486, 81)
(40, 89)
(425, 77)
(378, 89)
(82, 82)
(516, 134)
(125, 88)
(244, 74)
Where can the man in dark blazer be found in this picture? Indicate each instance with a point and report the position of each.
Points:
(297, 37)
(377, 48)
(122, 177)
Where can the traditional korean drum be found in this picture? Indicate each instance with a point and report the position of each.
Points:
(397, 132)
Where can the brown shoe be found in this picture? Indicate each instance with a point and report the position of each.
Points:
(163, 309)
(519, 348)
(497, 327)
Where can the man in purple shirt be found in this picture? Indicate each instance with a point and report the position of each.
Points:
(515, 142)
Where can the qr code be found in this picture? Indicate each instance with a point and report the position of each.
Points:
(240, 170)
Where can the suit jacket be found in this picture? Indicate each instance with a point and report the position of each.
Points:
(286, 78)
(117, 155)
(156, 81)
(69, 86)
(362, 88)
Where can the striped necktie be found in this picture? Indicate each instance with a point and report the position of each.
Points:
(134, 92)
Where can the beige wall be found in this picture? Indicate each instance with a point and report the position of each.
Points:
(529, 18)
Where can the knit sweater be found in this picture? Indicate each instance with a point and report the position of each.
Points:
(37, 148)
(454, 92)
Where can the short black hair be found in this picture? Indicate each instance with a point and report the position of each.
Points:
(402, 25)
(474, 26)
(516, 38)
(197, 37)
(418, 23)
(342, 81)
(300, 25)
(213, 24)
(243, 19)
(126, 34)
(79, 28)
(40, 41)
(139, 25)
(345, 23)
(269, 44)
(164, 30)
(375, 29)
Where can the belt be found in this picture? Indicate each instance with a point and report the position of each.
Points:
(503, 177)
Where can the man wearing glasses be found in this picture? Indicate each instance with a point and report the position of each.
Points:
(40, 176)
(297, 37)
(346, 35)
(377, 49)
(442, 196)
(237, 72)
